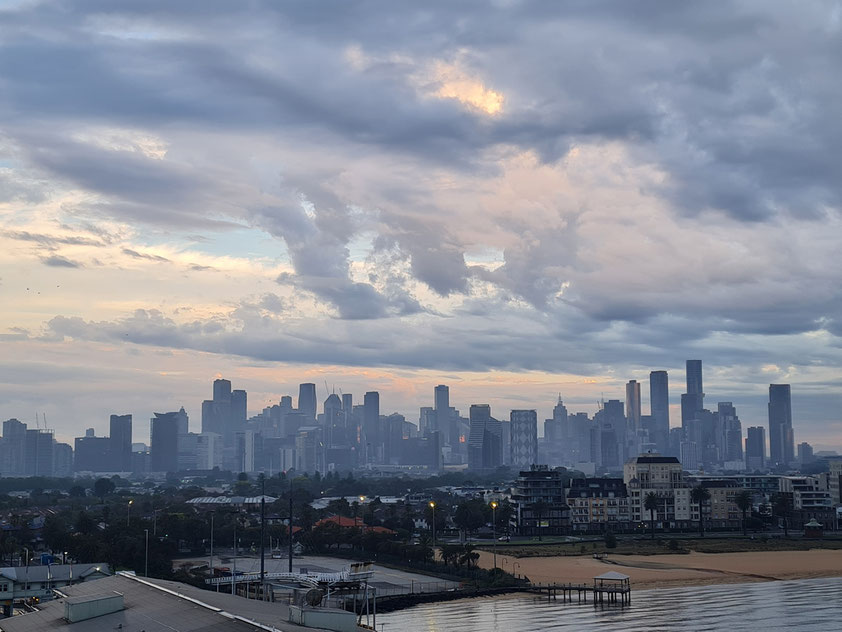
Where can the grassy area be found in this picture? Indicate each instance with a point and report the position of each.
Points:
(666, 546)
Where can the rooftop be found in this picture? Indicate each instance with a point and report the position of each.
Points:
(158, 606)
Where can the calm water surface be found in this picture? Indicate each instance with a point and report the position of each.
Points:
(797, 606)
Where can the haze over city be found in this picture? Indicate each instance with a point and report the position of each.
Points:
(513, 201)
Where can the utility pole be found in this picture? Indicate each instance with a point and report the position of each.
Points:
(210, 567)
(263, 535)
(290, 524)
(146, 554)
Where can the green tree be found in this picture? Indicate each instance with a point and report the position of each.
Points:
(103, 487)
(700, 495)
(743, 500)
(469, 515)
(650, 503)
(782, 507)
(539, 508)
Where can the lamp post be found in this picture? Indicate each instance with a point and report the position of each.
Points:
(146, 554)
(128, 512)
(210, 566)
(433, 512)
(494, 530)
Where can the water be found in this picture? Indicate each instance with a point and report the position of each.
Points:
(796, 606)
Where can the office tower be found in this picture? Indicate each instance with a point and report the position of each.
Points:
(610, 425)
(755, 448)
(805, 453)
(334, 420)
(729, 433)
(208, 451)
(120, 434)
(441, 399)
(239, 406)
(216, 412)
(659, 402)
(12, 448)
(38, 452)
(427, 417)
(92, 454)
(348, 415)
(165, 432)
(371, 426)
(633, 404)
(693, 401)
(307, 401)
(221, 390)
(63, 460)
(524, 438)
(485, 440)
(781, 440)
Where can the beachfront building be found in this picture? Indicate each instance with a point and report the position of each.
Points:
(539, 501)
(599, 505)
(810, 499)
(663, 476)
(721, 511)
(834, 485)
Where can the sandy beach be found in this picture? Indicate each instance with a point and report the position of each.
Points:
(666, 571)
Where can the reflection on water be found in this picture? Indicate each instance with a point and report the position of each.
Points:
(798, 606)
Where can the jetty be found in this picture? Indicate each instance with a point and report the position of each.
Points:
(609, 588)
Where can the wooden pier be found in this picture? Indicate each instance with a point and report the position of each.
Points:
(608, 588)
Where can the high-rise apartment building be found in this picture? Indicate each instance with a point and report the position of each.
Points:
(371, 427)
(120, 435)
(659, 402)
(781, 438)
(755, 448)
(441, 395)
(633, 404)
(524, 438)
(693, 401)
(485, 440)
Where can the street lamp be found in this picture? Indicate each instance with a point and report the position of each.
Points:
(128, 512)
(494, 530)
(146, 554)
(433, 512)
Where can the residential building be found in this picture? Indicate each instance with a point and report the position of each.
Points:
(539, 501)
(663, 476)
(660, 409)
(755, 448)
(598, 505)
(781, 438)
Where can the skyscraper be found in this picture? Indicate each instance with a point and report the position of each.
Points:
(485, 441)
(165, 430)
(693, 401)
(633, 404)
(755, 448)
(781, 439)
(120, 449)
(524, 438)
(441, 396)
(371, 426)
(659, 402)
(307, 401)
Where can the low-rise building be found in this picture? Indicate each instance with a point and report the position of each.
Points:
(598, 504)
(36, 583)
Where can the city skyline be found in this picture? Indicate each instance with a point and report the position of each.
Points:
(514, 201)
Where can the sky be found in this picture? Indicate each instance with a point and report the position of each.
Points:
(518, 199)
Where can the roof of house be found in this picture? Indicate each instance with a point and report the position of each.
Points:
(55, 572)
(344, 522)
(158, 606)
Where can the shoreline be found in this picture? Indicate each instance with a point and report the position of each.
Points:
(675, 571)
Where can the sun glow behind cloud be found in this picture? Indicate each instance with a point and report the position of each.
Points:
(455, 83)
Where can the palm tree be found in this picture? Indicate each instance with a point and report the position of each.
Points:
(743, 500)
(700, 495)
(539, 507)
(650, 503)
(781, 507)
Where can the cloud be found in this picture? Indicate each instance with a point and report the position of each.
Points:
(57, 261)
